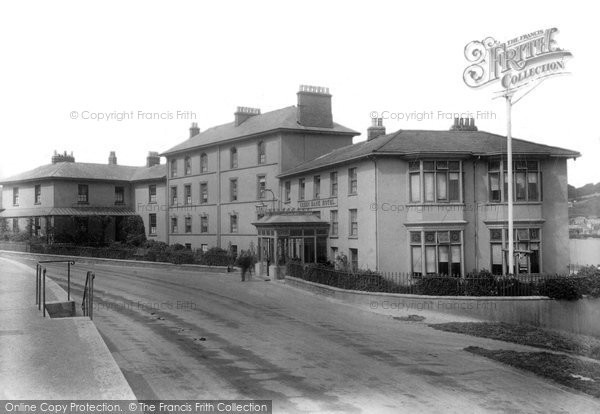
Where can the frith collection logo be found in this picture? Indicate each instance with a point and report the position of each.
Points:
(516, 63)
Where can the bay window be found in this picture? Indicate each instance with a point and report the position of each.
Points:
(526, 245)
(526, 181)
(436, 252)
(435, 181)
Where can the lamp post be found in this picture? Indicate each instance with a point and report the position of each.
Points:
(272, 197)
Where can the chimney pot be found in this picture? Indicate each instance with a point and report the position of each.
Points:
(194, 130)
(62, 157)
(112, 158)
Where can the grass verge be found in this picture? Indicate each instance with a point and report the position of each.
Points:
(527, 335)
(570, 371)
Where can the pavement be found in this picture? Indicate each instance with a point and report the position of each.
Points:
(45, 358)
(182, 334)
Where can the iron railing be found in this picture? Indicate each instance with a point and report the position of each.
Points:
(69, 264)
(87, 304)
(476, 284)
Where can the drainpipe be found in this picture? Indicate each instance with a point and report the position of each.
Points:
(376, 216)
(476, 214)
(219, 196)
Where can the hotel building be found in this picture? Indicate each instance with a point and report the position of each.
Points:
(291, 183)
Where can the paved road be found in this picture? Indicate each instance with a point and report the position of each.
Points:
(182, 334)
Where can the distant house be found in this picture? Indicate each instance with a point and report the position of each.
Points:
(65, 196)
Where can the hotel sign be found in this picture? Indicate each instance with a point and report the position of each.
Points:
(318, 203)
(515, 63)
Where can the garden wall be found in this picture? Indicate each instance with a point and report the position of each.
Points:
(580, 316)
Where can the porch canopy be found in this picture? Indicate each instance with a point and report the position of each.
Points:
(285, 235)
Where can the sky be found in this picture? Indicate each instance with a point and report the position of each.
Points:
(66, 62)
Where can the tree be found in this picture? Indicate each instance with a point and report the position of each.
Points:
(133, 231)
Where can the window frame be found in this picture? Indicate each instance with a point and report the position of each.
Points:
(261, 152)
(352, 181)
(430, 181)
(529, 235)
(436, 240)
(233, 224)
(122, 195)
(333, 184)
(260, 180)
(152, 197)
(353, 223)
(316, 187)
(187, 224)
(301, 189)
(525, 168)
(15, 196)
(203, 163)
(233, 158)
(37, 194)
(334, 223)
(187, 165)
(173, 167)
(287, 191)
(204, 194)
(233, 189)
(187, 195)
(152, 226)
(204, 223)
(173, 196)
(83, 197)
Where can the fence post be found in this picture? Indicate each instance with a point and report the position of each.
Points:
(37, 271)
(68, 281)
(91, 301)
(44, 294)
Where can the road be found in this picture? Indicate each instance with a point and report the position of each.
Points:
(180, 334)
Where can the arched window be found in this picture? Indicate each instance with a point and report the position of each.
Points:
(203, 162)
(188, 165)
(234, 158)
(262, 154)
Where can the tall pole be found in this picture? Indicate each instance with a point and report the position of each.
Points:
(511, 256)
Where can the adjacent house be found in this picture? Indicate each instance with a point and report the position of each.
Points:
(67, 197)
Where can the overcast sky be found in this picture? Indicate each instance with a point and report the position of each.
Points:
(164, 57)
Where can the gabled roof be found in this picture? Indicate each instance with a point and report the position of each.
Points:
(420, 143)
(89, 171)
(285, 118)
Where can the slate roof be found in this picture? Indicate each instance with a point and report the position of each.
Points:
(285, 118)
(416, 143)
(89, 171)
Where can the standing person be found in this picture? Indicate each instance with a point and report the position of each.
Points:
(244, 261)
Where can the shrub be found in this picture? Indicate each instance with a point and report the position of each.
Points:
(562, 288)
(132, 231)
(438, 286)
(482, 283)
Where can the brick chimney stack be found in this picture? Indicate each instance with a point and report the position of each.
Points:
(314, 107)
(194, 130)
(243, 113)
(62, 157)
(376, 129)
(463, 124)
(152, 159)
(112, 158)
